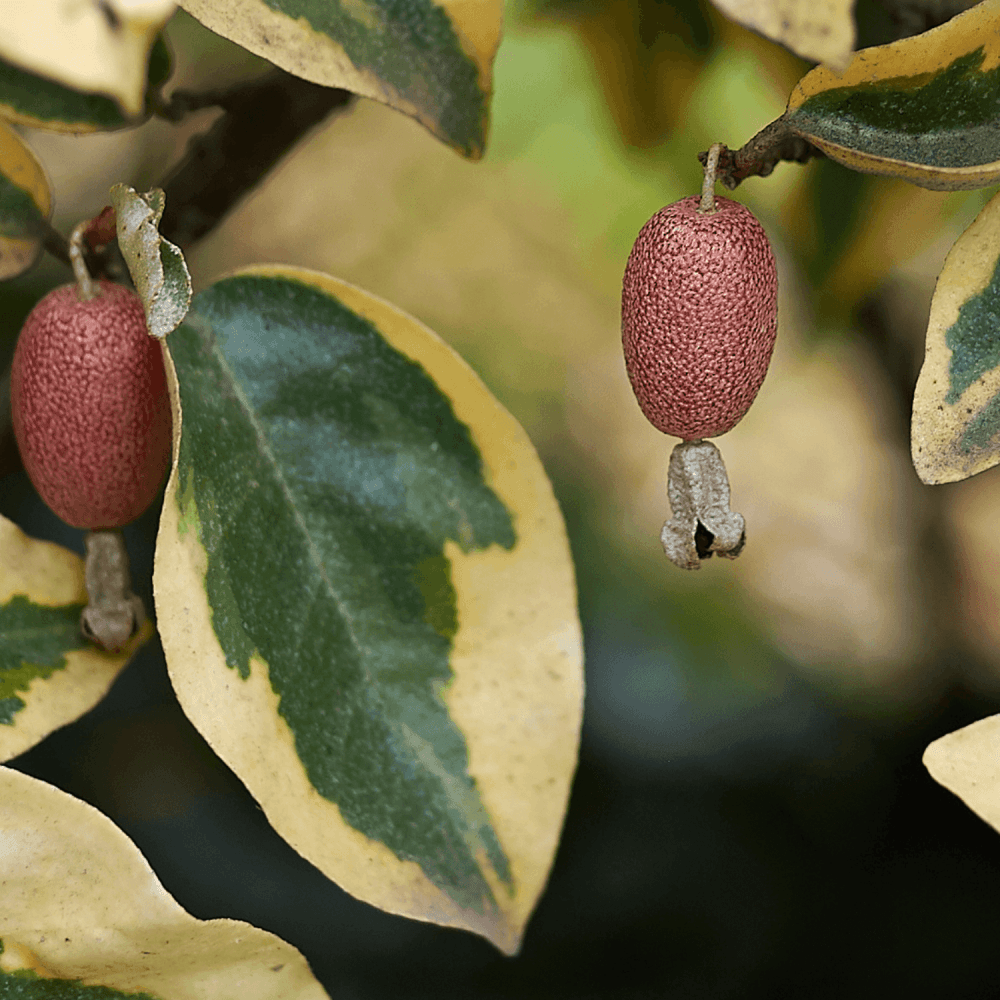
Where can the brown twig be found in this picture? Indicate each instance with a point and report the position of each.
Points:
(913, 17)
(262, 121)
(772, 144)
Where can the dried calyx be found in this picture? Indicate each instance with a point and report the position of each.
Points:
(113, 613)
(702, 523)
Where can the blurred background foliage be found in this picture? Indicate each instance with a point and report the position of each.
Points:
(751, 816)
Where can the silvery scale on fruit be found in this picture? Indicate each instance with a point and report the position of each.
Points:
(699, 319)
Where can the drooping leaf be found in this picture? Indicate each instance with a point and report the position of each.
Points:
(926, 108)
(25, 204)
(821, 32)
(955, 431)
(158, 268)
(38, 102)
(431, 59)
(967, 762)
(83, 917)
(92, 47)
(366, 598)
(49, 674)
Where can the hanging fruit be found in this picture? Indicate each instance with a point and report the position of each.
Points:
(699, 319)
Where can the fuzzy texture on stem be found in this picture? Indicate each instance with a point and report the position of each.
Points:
(90, 407)
(699, 316)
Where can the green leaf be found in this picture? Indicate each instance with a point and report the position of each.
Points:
(431, 59)
(967, 762)
(955, 431)
(926, 108)
(25, 204)
(83, 917)
(158, 268)
(366, 598)
(92, 48)
(38, 102)
(49, 675)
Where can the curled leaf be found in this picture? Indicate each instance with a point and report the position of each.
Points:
(158, 268)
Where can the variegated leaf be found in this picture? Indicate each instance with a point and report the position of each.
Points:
(39, 102)
(49, 674)
(25, 204)
(91, 46)
(926, 108)
(955, 431)
(431, 59)
(366, 598)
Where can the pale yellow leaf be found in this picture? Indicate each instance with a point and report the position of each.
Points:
(822, 31)
(967, 762)
(79, 902)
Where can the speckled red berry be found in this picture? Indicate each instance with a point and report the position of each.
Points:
(699, 316)
(90, 406)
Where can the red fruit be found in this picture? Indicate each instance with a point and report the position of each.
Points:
(699, 316)
(90, 406)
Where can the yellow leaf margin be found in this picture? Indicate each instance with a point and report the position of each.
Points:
(514, 610)
(296, 47)
(50, 575)
(24, 170)
(914, 59)
(98, 48)
(78, 901)
(938, 426)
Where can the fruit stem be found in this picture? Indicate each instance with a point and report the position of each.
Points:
(85, 287)
(707, 205)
